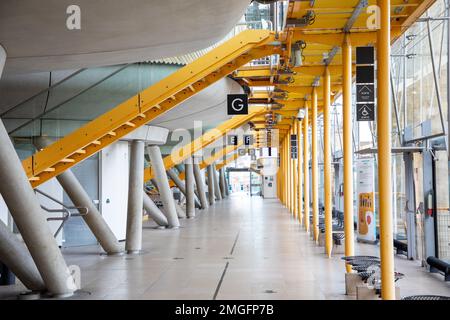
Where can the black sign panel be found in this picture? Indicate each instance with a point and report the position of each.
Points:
(237, 104)
(365, 93)
(365, 112)
(248, 140)
(232, 140)
(365, 55)
(294, 150)
(365, 74)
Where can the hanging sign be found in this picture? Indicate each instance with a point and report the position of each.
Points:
(248, 140)
(232, 140)
(237, 104)
(294, 150)
(365, 88)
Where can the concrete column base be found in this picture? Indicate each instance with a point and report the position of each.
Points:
(352, 280)
(365, 293)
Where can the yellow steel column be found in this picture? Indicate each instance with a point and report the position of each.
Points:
(285, 178)
(315, 168)
(306, 168)
(299, 174)
(384, 153)
(327, 162)
(295, 175)
(288, 138)
(348, 152)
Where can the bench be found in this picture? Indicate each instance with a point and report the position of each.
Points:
(438, 265)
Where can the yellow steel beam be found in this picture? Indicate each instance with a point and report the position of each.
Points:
(306, 214)
(299, 173)
(229, 159)
(219, 155)
(327, 163)
(348, 156)
(180, 154)
(315, 168)
(384, 154)
(148, 104)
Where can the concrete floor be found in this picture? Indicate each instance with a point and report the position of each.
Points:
(241, 248)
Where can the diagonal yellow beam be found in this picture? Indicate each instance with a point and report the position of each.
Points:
(180, 154)
(148, 104)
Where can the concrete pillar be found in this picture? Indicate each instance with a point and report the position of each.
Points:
(180, 212)
(200, 185)
(216, 183)
(80, 198)
(190, 188)
(180, 184)
(227, 189)
(222, 183)
(162, 183)
(29, 217)
(133, 243)
(16, 257)
(30, 220)
(211, 185)
(154, 212)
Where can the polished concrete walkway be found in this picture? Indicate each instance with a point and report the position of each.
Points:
(241, 248)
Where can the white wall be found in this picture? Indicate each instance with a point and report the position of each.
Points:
(114, 170)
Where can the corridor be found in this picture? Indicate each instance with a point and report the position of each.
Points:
(240, 248)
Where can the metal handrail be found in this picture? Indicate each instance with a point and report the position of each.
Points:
(66, 211)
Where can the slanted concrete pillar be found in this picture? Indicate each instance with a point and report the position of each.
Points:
(29, 217)
(211, 197)
(190, 188)
(223, 186)
(180, 184)
(133, 243)
(80, 198)
(216, 183)
(30, 220)
(16, 257)
(154, 212)
(162, 183)
(200, 185)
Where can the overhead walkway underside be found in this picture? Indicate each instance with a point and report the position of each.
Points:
(147, 105)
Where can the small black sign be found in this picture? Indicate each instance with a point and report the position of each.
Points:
(365, 93)
(365, 112)
(293, 146)
(365, 55)
(365, 74)
(237, 104)
(251, 152)
(232, 140)
(248, 140)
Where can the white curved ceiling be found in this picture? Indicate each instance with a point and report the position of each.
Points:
(36, 38)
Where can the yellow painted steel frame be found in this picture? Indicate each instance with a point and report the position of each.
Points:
(315, 168)
(327, 163)
(299, 173)
(219, 155)
(180, 154)
(231, 158)
(384, 112)
(295, 175)
(148, 104)
(306, 169)
(348, 151)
